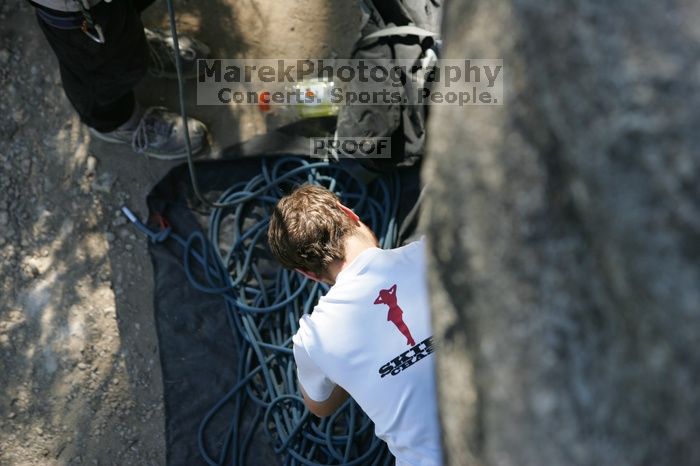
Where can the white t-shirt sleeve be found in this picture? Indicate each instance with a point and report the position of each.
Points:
(315, 383)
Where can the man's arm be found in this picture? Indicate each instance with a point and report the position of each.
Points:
(327, 407)
(313, 380)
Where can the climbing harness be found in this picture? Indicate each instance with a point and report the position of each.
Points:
(82, 20)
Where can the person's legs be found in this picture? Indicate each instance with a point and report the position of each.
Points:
(98, 79)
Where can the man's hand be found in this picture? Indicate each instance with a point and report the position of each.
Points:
(328, 407)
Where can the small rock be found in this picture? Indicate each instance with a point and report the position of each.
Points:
(18, 116)
(103, 183)
(119, 221)
(90, 165)
(4, 56)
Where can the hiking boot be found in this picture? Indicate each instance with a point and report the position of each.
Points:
(162, 50)
(159, 134)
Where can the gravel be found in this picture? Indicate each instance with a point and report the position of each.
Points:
(67, 393)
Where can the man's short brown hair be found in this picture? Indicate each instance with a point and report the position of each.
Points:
(307, 230)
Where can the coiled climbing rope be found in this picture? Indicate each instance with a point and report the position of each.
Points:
(263, 303)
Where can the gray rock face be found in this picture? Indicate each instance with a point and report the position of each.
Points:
(564, 231)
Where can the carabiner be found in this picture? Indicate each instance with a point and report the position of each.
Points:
(99, 38)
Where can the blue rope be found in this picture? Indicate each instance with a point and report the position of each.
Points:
(264, 303)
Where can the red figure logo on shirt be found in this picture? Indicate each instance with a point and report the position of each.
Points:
(388, 297)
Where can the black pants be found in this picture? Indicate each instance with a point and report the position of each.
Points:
(98, 79)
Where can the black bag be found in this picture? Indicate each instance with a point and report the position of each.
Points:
(394, 30)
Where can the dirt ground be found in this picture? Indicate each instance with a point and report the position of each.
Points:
(80, 377)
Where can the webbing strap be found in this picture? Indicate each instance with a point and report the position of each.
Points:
(66, 22)
(395, 31)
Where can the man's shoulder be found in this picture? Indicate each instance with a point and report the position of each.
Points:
(412, 247)
(408, 258)
(384, 264)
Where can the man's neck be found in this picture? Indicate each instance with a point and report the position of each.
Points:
(354, 246)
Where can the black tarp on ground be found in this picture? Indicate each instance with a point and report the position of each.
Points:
(197, 348)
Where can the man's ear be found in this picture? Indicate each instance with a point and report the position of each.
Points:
(310, 275)
(348, 211)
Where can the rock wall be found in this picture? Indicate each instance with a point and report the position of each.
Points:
(564, 236)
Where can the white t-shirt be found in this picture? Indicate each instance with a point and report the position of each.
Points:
(371, 335)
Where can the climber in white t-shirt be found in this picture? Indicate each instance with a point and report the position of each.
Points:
(370, 335)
